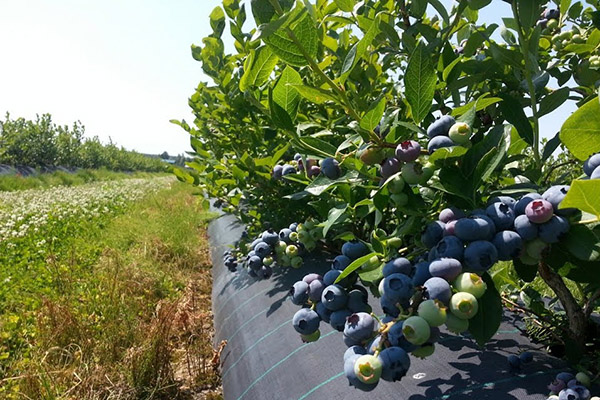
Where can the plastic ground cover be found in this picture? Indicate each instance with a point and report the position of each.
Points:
(265, 358)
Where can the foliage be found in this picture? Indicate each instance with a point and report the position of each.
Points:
(335, 78)
(41, 143)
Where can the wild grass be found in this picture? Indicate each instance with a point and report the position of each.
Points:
(131, 316)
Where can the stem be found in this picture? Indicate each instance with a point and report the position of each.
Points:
(555, 167)
(452, 25)
(578, 323)
(587, 221)
(524, 44)
(589, 307)
(405, 17)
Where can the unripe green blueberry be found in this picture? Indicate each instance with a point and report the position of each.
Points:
(399, 199)
(285, 260)
(552, 24)
(309, 224)
(304, 236)
(584, 379)
(556, 38)
(396, 184)
(577, 38)
(464, 305)
(300, 228)
(268, 260)
(460, 133)
(566, 35)
(280, 247)
(294, 236)
(424, 351)
(313, 337)
(535, 248)
(415, 173)
(433, 311)
(296, 262)
(371, 155)
(291, 250)
(310, 245)
(368, 368)
(528, 260)
(373, 262)
(394, 242)
(317, 233)
(455, 324)
(416, 330)
(470, 283)
(564, 43)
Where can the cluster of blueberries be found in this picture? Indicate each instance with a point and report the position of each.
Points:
(416, 302)
(446, 132)
(328, 166)
(567, 386)
(506, 230)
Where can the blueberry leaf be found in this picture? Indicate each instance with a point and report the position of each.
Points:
(581, 131)
(484, 325)
(583, 195)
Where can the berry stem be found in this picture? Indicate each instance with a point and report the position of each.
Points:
(588, 221)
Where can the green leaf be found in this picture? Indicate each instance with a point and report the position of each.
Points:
(217, 21)
(325, 148)
(356, 52)
(506, 56)
(316, 95)
(564, 5)
(480, 104)
(526, 272)
(257, 68)
(336, 214)
(484, 325)
(345, 5)
(372, 117)
(513, 112)
(441, 9)
(581, 131)
(286, 95)
(322, 183)
(529, 12)
(579, 48)
(446, 153)
(553, 101)
(372, 275)
(450, 67)
(419, 81)
(551, 145)
(584, 196)
(582, 243)
(356, 264)
(291, 52)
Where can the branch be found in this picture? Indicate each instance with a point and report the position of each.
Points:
(589, 306)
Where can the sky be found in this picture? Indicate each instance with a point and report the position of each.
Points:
(121, 67)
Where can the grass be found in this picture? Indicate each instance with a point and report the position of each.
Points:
(129, 314)
(11, 183)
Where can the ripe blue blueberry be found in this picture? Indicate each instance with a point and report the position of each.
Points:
(525, 228)
(438, 289)
(299, 293)
(277, 172)
(509, 245)
(334, 297)
(395, 364)
(595, 174)
(480, 256)
(398, 286)
(445, 268)
(354, 350)
(514, 362)
(449, 247)
(331, 276)
(509, 201)
(323, 312)
(398, 265)
(439, 142)
(359, 326)
(502, 215)
(433, 233)
(262, 250)
(255, 263)
(476, 227)
(288, 169)
(315, 290)
(421, 273)
(270, 237)
(284, 235)
(555, 195)
(389, 167)
(554, 229)
(358, 301)
(306, 321)
(337, 319)
(408, 151)
(354, 249)
(441, 126)
(591, 164)
(389, 306)
(526, 357)
(331, 168)
(341, 262)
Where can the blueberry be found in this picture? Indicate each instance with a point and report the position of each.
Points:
(398, 265)
(398, 286)
(539, 211)
(265, 272)
(557, 385)
(446, 268)
(323, 312)
(277, 172)
(389, 167)
(299, 293)
(450, 214)
(255, 263)
(525, 228)
(514, 362)
(551, 14)
(395, 364)
(288, 169)
(554, 229)
(297, 157)
(331, 276)
(357, 301)
(582, 391)
(334, 297)
(502, 215)
(359, 326)
(591, 164)
(509, 201)
(354, 350)
(555, 195)
(509, 245)
(331, 168)
(439, 142)
(408, 151)
(449, 229)
(373, 345)
(389, 306)
(414, 173)
(449, 247)
(353, 379)
(565, 377)
(480, 256)
(337, 319)
(270, 237)
(315, 290)
(421, 273)
(433, 233)
(526, 357)
(313, 170)
(568, 394)
(341, 262)
(354, 249)
(262, 250)
(306, 321)
(595, 174)
(255, 243)
(284, 235)
(441, 126)
(473, 228)
(438, 289)
(523, 201)
(293, 226)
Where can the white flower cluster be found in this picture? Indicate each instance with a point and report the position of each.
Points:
(33, 213)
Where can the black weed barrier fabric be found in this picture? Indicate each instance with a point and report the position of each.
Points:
(265, 359)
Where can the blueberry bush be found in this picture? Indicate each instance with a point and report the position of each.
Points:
(411, 133)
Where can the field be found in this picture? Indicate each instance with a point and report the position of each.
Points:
(86, 272)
